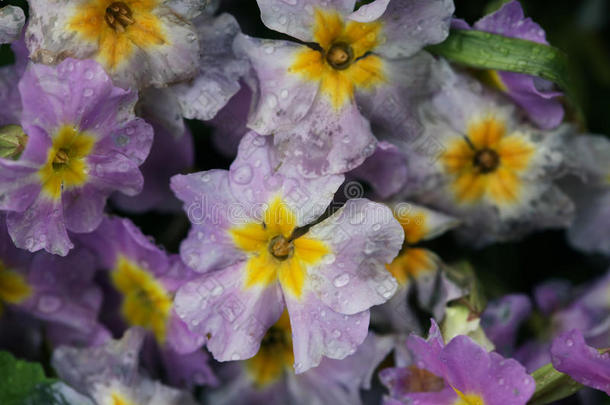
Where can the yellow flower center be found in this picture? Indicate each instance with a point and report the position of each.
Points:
(274, 356)
(66, 165)
(119, 28)
(468, 399)
(118, 16)
(146, 303)
(344, 62)
(487, 162)
(120, 399)
(274, 255)
(13, 287)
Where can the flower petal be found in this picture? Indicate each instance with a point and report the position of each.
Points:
(218, 79)
(296, 17)
(233, 319)
(319, 331)
(363, 236)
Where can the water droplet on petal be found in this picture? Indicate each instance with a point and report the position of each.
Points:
(49, 304)
(242, 174)
(341, 280)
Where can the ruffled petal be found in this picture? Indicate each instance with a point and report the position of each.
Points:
(571, 355)
(40, 226)
(363, 237)
(232, 318)
(318, 331)
(219, 72)
(296, 17)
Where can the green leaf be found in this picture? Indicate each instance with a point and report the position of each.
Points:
(483, 50)
(491, 51)
(12, 141)
(551, 385)
(19, 379)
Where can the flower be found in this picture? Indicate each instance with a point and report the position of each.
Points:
(255, 238)
(585, 308)
(485, 166)
(83, 143)
(459, 373)
(268, 376)
(417, 269)
(11, 23)
(230, 123)
(145, 278)
(385, 170)
(540, 101)
(138, 42)
(587, 365)
(309, 96)
(219, 72)
(59, 291)
(171, 139)
(109, 374)
(590, 191)
(503, 317)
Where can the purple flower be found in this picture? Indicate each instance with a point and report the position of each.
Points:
(572, 356)
(57, 290)
(385, 170)
(254, 236)
(230, 122)
(460, 372)
(145, 277)
(418, 270)
(11, 23)
(585, 308)
(219, 72)
(84, 142)
(139, 43)
(478, 161)
(109, 374)
(172, 152)
(503, 317)
(310, 97)
(268, 378)
(540, 101)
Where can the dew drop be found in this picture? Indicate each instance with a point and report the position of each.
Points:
(49, 304)
(341, 280)
(242, 175)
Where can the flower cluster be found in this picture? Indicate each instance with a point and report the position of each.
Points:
(193, 214)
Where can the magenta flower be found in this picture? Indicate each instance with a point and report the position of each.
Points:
(461, 372)
(585, 364)
(84, 142)
(254, 236)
